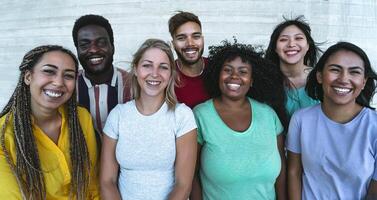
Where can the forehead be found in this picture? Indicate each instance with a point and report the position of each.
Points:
(188, 28)
(237, 62)
(291, 30)
(57, 58)
(92, 31)
(345, 58)
(155, 55)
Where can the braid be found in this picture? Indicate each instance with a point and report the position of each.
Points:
(79, 153)
(27, 167)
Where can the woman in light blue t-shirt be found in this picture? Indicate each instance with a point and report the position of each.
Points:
(239, 130)
(332, 147)
(293, 51)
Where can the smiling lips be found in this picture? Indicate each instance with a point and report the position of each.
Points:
(291, 52)
(341, 90)
(53, 93)
(95, 60)
(153, 83)
(233, 86)
(191, 52)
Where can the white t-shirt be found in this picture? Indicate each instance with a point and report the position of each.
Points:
(146, 148)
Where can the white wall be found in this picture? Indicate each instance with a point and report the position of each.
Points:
(26, 24)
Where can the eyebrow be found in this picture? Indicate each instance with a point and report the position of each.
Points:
(55, 67)
(286, 35)
(184, 34)
(352, 67)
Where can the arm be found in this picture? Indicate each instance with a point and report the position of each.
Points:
(280, 185)
(109, 170)
(372, 190)
(196, 192)
(294, 176)
(184, 165)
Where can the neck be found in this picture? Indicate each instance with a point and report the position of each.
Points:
(44, 116)
(101, 78)
(296, 73)
(149, 105)
(341, 114)
(192, 70)
(232, 103)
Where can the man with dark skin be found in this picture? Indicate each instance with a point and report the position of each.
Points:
(186, 31)
(100, 86)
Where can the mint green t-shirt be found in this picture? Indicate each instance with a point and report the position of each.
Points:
(297, 99)
(238, 165)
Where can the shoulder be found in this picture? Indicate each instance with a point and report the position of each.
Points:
(181, 108)
(260, 107)
(203, 106)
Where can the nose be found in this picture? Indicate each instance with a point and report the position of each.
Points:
(58, 80)
(190, 41)
(291, 43)
(93, 48)
(155, 71)
(343, 77)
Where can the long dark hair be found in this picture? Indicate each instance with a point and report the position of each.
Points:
(315, 90)
(27, 167)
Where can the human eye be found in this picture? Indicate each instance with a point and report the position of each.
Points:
(334, 69)
(165, 67)
(83, 45)
(180, 38)
(227, 69)
(49, 71)
(197, 36)
(356, 72)
(102, 42)
(283, 39)
(146, 65)
(69, 76)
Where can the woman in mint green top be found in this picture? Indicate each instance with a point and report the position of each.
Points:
(293, 51)
(239, 134)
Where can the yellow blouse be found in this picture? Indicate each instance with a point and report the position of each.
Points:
(55, 159)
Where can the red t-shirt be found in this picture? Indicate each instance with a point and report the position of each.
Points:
(191, 90)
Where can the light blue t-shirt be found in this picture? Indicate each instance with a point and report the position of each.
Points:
(338, 160)
(146, 148)
(297, 99)
(238, 165)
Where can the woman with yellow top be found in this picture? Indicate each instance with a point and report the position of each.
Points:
(48, 147)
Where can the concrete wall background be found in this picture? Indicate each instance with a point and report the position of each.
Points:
(26, 24)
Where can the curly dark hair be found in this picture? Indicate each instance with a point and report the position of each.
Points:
(91, 19)
(267, 81)
(315, 90)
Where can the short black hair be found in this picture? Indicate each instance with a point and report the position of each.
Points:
(181, 18)
(92, 20)
(267, 81)
(315, 90)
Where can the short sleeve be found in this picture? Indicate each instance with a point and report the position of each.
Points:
(293, 136)
(278, 126)
(111, 128)
(185, 121)
(199, 132)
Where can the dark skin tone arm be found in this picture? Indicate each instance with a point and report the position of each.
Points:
(281, 184)
(372, 190)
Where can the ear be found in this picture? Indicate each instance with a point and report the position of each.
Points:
(27, 77)
(319, 77)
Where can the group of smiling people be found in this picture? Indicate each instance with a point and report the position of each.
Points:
(278, 125)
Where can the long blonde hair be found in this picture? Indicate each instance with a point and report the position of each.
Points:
(170, 97)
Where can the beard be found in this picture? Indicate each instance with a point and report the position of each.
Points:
(189, 62)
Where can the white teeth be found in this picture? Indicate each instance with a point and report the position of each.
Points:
(53, 94)
(96, 60)
(291, 52)
(154, 82)
(233, 86)
(342, 90)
